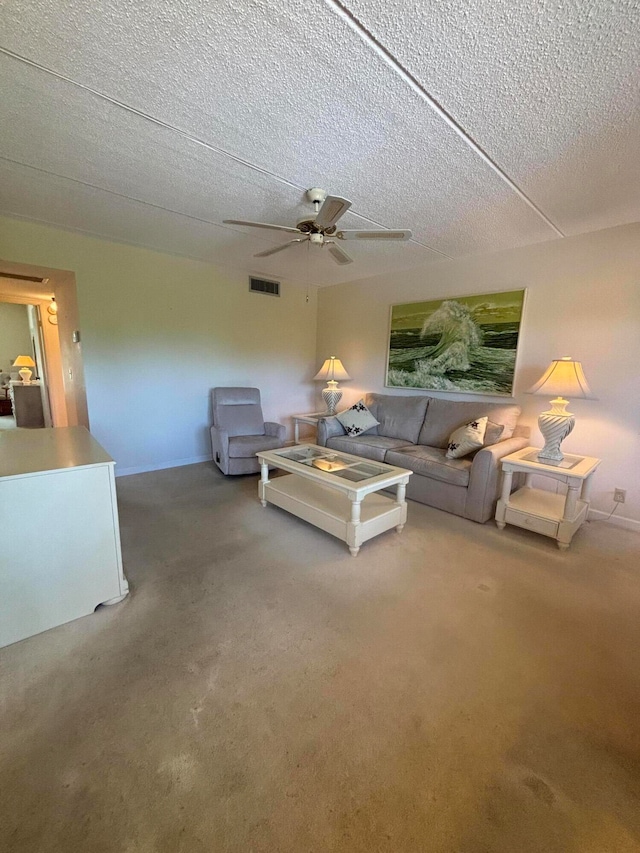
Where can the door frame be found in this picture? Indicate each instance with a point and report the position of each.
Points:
(28, 284)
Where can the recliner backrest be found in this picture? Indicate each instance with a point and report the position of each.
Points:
(238, 411)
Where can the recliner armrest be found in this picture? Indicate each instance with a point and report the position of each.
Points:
(220, 448)
(327, 428)
(221, 436)
(272, 428)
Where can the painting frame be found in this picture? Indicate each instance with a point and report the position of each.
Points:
(470, 346)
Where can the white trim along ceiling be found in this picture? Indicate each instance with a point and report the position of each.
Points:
(478, 125)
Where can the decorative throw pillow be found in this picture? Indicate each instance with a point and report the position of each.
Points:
(492, 434)
(467, 438)
(357, 419)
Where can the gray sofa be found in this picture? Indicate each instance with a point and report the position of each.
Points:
(413, 433)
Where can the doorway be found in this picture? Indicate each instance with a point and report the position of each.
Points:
(56, 338)
(24, 394)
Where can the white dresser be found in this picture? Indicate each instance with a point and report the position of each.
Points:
(60, 541)
(27, 404)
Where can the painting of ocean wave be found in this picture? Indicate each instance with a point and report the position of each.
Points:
(466, 344)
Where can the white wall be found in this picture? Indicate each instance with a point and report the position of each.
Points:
(583, 300)
(15, 337)
(159, 331)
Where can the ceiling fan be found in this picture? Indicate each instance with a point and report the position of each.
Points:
(320, 229)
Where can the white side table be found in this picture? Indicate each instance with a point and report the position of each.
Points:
(312, 418)
(557, 516)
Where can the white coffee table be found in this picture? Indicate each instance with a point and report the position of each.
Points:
(337, 492)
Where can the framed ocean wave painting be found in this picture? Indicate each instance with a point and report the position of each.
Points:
(466, 344)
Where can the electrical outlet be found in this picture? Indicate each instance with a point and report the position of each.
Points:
(619, 495)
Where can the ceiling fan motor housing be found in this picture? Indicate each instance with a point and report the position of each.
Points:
(308, 226)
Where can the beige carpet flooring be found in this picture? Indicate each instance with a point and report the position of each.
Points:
(453, 689)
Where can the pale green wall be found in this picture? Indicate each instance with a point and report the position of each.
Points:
(159, 331)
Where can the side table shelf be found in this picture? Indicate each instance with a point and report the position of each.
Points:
(553, 515)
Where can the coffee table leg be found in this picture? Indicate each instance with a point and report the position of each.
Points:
(401, 490)
(264, 479)
(352, 540)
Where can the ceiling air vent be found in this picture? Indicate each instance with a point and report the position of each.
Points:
(263, 285)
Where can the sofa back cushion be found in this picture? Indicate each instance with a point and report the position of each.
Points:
(444, 416)
(398, 417)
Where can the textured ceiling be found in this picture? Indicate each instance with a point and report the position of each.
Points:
(480, 126)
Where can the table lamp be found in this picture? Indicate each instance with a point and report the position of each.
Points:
(564, 378)
(332, 371)
(24, 362)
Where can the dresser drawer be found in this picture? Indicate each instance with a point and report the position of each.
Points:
(531, 522)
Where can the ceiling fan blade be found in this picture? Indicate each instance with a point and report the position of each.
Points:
(332, 209)
(373, 235)
(279, 248)
(261, 225)
(339, 255)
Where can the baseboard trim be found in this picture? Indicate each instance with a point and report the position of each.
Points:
(617, 520)
(174, 463)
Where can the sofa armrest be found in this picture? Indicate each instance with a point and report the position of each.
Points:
(327, 428)
(485, 478)
(272, 428)
(521, 431)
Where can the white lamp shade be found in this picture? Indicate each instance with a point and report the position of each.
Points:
(332, 369)
(24, 361)
(563, 378)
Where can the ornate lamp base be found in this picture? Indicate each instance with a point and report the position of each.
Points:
(26, 375)
(555, 425)
(331, 396)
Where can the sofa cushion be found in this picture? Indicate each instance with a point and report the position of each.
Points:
(357, 419)
(432, 462)
(241, 446)
(370, 446)
(443, 416)
(398, 417)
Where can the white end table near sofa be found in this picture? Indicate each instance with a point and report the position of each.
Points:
(311, 418)
(548, 513)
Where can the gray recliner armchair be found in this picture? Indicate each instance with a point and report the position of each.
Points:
(239, 430)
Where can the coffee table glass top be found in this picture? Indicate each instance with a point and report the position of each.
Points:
(334, 463)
